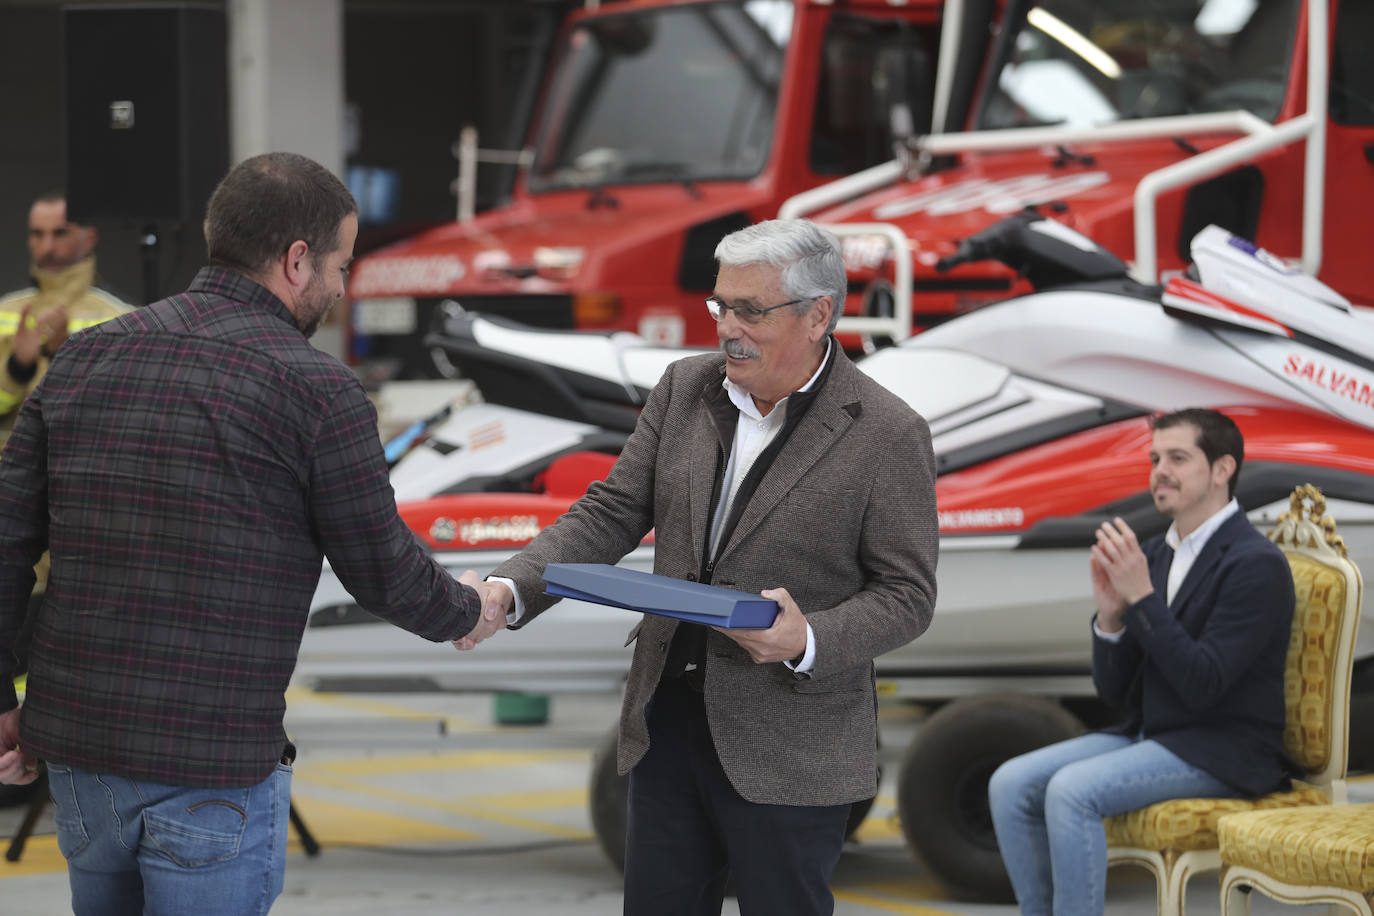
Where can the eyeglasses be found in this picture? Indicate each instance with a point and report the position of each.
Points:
(746, 313)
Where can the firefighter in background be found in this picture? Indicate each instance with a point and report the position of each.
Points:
(35, 321)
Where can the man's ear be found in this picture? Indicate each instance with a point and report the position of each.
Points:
(296, 266)
(820, 319)
(1223, 468)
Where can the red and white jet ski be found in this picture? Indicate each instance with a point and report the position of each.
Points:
(1039, 408)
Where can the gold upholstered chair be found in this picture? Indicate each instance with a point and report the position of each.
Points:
(1301, 855)
(1177, 839)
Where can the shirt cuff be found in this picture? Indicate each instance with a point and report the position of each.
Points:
(1109, 637)
(808, 659)
(519, 607)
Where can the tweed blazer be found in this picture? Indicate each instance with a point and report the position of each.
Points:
(1203, 675)
(844, 519)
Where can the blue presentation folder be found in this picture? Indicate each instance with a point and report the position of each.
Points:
(640, 591)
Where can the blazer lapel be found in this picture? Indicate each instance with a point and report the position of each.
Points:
(1159, 568)
(825, 422)
(1206, 562)
(712, 435)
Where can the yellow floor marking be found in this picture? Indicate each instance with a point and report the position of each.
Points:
(333, 822)
(466, 809)
(915, 887)
(538, 800)
(890, 906)
(452, 760)
(878, 829)
(389, 710)
(41, 857)
(903, 712)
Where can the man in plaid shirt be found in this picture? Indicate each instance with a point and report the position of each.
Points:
(189, 465)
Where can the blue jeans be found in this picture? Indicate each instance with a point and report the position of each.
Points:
(143, 848)
(1048, 806)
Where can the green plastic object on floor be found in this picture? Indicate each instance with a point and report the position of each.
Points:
(521, 708)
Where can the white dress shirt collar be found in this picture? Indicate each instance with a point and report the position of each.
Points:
(1187, 550)
(1200, 535)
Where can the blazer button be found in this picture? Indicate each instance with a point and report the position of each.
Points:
(662, 646)
(691, 577)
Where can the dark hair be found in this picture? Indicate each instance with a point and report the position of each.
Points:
(55, 196)
(270, 201)
(1217, 435)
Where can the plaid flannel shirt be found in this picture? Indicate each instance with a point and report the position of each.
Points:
(189, 464)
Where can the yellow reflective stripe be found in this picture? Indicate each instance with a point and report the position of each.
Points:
(9, 400)
(9, 323)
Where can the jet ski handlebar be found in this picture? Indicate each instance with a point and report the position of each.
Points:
(1043, 250)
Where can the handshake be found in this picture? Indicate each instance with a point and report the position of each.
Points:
(497, 602)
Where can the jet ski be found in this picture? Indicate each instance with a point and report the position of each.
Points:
(1039, 408)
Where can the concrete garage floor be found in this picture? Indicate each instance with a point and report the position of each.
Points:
(423, 806)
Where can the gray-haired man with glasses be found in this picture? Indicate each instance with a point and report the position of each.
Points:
(773, 466)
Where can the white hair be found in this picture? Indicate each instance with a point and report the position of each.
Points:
(807, 257)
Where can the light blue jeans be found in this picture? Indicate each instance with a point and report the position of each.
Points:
(144, 848)
(1048, 806)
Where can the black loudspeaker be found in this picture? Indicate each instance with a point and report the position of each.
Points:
(147, 110)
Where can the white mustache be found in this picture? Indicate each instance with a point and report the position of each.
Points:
(738, 350)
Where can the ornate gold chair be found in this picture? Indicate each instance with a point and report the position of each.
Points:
(1303, 855)
(1177, 839)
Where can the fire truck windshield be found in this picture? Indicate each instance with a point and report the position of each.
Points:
(672, 94)
(1080, 63)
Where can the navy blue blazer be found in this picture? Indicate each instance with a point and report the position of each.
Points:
(1204, 675)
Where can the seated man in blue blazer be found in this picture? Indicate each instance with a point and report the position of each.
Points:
(1190, 639)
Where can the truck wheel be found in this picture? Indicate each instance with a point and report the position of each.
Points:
(610, 792)
(942, 791)
(607, 799)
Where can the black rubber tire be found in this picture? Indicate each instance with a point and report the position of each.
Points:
(607, 799)
(942, 791)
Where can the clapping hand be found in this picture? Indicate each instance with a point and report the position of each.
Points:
(1119, 567)
(31, 335)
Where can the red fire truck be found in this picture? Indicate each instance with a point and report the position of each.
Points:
(1137, 125)
(663, 125)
